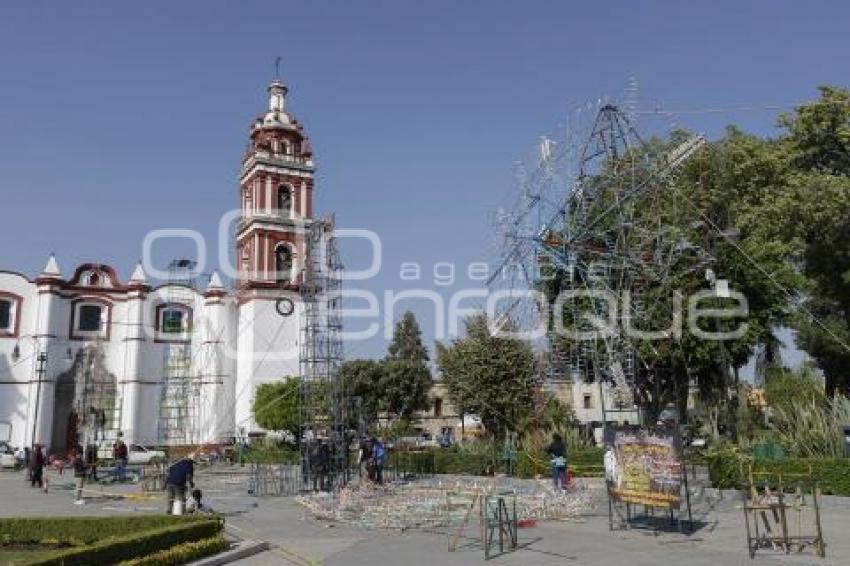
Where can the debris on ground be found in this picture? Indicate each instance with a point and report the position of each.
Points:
(445, 501)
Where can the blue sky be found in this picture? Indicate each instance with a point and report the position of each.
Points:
(120, 118)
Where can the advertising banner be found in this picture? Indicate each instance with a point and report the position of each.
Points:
(644, 466)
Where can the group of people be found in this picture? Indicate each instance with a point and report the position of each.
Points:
(373, 455)
(83, 462)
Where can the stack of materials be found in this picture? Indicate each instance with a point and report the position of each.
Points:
(433, 502)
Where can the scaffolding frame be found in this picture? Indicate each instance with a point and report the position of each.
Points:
(322, 397)
(180, 393)
(575, 217)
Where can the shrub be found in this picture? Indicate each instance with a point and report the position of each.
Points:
(80, 530)
(271, 455)
(812, 429)
(483, 461)
(453, 461)
(729, 469)
(181, 553)
(104, 540)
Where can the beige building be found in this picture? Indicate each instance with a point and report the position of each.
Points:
(586, 400)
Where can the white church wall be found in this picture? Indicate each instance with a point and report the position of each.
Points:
(15, 374)
(267, 352)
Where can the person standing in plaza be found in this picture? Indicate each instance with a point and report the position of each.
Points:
(80, 471)
(120, 455)
(558, 457)
(363, 455)
(180, 473)
(36, 464)
(379, 457)
(91, 461)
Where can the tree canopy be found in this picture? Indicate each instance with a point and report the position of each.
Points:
(772, 216)
(276, 406)
(396, 386)
(488, 376)
(406, 344)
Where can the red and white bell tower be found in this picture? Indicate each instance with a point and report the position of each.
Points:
(276, 191)
(276, 196)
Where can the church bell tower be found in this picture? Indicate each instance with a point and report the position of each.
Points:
(276, 198)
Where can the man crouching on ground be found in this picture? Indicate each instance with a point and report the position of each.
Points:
(180, 473)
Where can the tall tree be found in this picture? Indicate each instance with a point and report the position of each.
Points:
(276, 406)
(404, 388)
(407, 341)
(818, 143)
(406, 378)
(489, 376)
(364, 379)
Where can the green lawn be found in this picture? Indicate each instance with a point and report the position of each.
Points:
(22, 556)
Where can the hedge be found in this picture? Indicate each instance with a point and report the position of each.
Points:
(585, 462)
(99, 541)
(182, 553)
(270, 456)
(729, 470)
(80, 530)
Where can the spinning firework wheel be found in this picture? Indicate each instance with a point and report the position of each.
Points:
(591, 243)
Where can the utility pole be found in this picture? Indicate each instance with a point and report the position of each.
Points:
(40, 370)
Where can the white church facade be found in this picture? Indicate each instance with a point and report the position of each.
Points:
(85, 355)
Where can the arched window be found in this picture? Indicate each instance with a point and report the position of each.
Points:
(90, 319)
(284, 200)
(10, 306)
(283, 263)
(173, 321)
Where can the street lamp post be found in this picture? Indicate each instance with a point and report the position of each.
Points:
(40, 370)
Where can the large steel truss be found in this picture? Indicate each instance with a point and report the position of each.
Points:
(324, 439)
(575, 228)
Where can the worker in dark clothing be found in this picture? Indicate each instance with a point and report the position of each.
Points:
(80, 471)
(324, 464)
(91, 461)
(379, 458)
(180, 473)
(121, 456)
(319, 460)
(37, 462)
(558, 457)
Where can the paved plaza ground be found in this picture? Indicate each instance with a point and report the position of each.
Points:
(297, 538)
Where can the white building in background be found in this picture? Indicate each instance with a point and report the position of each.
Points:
(87, 355)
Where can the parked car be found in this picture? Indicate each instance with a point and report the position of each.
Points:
(9, 457)
(136, 454)
(140, 455)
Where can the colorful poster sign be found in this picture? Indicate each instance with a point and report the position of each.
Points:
(644, 466)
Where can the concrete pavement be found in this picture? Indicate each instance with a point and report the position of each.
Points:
(297, 538)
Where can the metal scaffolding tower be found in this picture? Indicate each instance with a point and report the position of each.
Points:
(323, 401)
(576, 227)
(180, 394)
